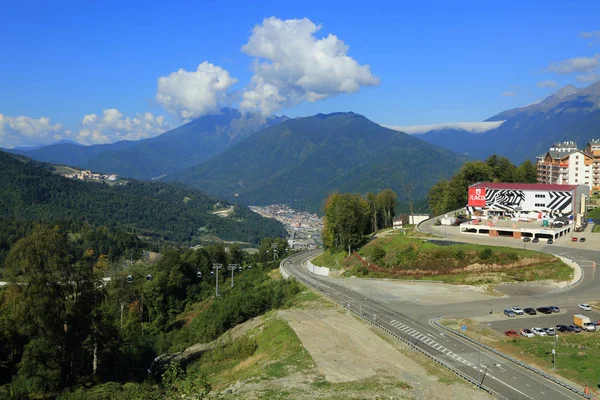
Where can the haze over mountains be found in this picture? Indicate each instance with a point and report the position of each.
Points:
(300, 161)
(569, 114)
(180, 148)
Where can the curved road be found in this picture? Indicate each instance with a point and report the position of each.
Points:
(585, 254)
(496, 375)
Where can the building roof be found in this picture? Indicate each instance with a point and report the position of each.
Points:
(522, 186)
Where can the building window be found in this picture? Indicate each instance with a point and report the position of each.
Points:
(540, 205)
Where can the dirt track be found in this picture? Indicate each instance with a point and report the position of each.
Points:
(345, 350)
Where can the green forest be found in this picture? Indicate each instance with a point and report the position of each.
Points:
(65, 331)
(29, 191)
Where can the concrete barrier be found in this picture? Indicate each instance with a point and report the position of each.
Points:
(323, 271)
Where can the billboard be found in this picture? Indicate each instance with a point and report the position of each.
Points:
(477, 197)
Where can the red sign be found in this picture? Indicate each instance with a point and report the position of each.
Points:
(477, 197)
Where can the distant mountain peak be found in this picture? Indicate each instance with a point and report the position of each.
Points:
(562, 93)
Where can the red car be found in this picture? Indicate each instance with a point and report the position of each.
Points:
(512, 333)
(574, 239)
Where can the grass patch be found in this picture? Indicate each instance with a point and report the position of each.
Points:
(330, 260)
(402, 257)
(270, 351)
(596, 228)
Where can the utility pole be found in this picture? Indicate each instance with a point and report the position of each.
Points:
(554, 349)
(232, 267)
(216, 268)
(274, 247)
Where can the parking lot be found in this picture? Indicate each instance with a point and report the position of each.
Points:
(564, 317)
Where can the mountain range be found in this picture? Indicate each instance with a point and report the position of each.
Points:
(30, 190)
(299, 161)
(173, 151)
(570, 114)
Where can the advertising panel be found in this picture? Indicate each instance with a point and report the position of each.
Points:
(477, 197)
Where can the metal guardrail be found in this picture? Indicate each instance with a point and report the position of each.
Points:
(512, 359)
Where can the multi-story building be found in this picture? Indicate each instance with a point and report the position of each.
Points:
(565, 164)
(593, 149)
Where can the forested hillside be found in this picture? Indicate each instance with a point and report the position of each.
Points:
(29, 191)
(300, 161)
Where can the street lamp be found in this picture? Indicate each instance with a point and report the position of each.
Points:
(216, 268)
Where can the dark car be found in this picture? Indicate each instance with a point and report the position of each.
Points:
(554, 309)
(563, 328)
(530, 311)
(575, 328)
(545, 310)
(526, 239)
(550, 241)
(582, 240)
(535, 240)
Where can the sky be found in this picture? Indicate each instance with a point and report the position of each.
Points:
(98, 72)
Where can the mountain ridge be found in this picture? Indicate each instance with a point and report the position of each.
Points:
(301, 160)
(172, 151)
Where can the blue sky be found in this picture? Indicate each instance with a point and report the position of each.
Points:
(430, 62)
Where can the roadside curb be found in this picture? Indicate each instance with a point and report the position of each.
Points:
(573, 264)
(509, 358)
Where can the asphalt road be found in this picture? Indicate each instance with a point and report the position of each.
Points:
(502, 378)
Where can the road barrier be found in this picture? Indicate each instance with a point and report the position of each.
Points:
(509, 358)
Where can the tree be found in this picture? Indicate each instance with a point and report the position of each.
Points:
(58, 299)
(346, 217)
(374, 210)
(438, 197)
(502, 169)
(526, 172)
(386, 200)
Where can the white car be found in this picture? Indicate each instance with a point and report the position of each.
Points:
(527, 333)
(517, 310)
(538, 331)
(585, 307)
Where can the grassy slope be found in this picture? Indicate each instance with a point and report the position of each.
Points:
(413, 258)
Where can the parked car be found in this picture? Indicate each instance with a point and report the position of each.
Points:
(535, 240)
(554, 309)
(549, 331)
(530, 311)
(550, 241)
(582, 240)
(575, 328)
(517, 310)
(574, 239)
(527, 333)
(526, 239)
(585, 307)
(512, 333)
(509, 313)
(538, 331)
(563, 328)
(544, 310)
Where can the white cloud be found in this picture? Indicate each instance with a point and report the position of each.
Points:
(588, 78)
(191, 94)
(576, 64)
(292, 65)
(546, 84)
(589, 35)
(509, 93)
(472, 127)
(113, 126)
(27, 131)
